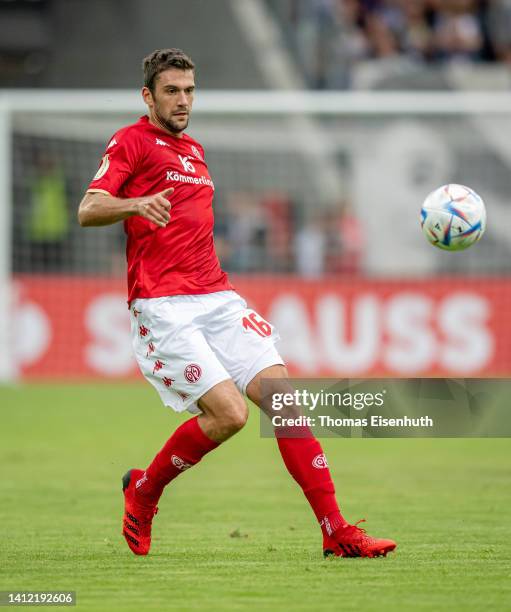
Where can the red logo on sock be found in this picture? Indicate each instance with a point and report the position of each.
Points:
(320, 462)
(193, 372)
(179, 463)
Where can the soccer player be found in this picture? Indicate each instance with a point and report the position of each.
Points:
(194, 337)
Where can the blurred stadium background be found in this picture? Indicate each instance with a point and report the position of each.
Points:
(325, 122)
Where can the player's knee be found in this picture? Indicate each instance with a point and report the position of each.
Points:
(240, 417)
(235, 417)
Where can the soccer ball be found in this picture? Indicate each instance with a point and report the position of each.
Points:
(453, 217)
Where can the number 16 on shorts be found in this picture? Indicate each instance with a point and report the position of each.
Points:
(254, 323)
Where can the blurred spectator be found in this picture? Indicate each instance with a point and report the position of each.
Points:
(244, 231)
(457, 31)
(310, 249)
(499, 29)
(416, 32)
(352, 240)
(48, 221)
(253, 232)
(349, 44)
(331, 243)
(279, 230)
(344, 241)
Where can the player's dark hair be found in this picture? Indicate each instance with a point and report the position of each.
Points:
(163, 59)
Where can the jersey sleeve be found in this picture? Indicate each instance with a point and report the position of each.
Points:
(117, 164)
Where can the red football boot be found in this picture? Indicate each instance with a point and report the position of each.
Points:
(353, 541)
(138, 517)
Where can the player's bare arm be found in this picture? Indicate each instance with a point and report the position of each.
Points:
(98, 208)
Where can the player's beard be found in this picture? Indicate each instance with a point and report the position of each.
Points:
(169, 124)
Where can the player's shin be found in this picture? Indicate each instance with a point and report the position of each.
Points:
(184, 449)
(307, 464)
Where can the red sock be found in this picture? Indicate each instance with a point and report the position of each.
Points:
(186, 447)
(306, 462)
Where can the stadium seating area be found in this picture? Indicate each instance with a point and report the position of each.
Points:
(334, 38)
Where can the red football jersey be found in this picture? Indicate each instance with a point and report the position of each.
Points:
(178, 259)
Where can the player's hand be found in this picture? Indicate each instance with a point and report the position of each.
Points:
(156, 208)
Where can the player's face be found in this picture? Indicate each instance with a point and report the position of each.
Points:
(171, 103)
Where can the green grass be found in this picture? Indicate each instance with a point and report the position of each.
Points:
(65, 448)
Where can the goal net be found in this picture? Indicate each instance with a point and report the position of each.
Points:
(317, 199)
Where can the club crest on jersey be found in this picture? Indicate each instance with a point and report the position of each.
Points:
(103, 168)
(196, 153)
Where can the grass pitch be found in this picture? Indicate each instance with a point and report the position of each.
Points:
(235, 533)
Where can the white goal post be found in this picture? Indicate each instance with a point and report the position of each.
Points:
(75, 112)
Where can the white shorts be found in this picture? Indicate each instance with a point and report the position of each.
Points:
(186, 344)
